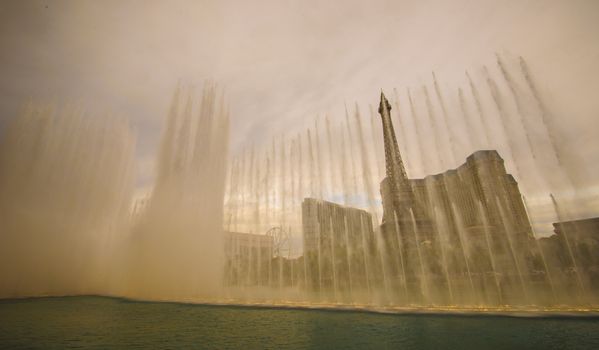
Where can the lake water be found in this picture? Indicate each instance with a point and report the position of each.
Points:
(101, 323)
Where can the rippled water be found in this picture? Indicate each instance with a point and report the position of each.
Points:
(100, 323)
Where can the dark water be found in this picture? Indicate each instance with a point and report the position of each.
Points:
(103, 323)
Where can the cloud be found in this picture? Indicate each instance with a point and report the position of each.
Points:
(284, 62)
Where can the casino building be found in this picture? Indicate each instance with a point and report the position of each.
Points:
(460, 229)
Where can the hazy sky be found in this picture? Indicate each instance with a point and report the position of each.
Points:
(284, 62)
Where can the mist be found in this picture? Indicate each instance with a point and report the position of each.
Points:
(135, 135)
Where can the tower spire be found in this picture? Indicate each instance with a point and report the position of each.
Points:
(393, 163)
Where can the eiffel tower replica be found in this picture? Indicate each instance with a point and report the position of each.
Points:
(407, 230)
(404, 206)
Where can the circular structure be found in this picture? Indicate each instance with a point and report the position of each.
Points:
(280, 239)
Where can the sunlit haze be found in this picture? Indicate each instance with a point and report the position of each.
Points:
(389, 155)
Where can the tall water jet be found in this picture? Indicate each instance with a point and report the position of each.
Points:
(375, 144)
(182, 150)
(312, 167)
(251, 186)
(271, 186)
(347, 187)
(257, 190)
(350, 144)
(366, 177)
(333, 258)
(319, 260)
(442, 227)
(424, 284)
(545, 115)
(463, 246)
(519, 109)
(283, 190)
(167, 146)
(366, 258)
(172, 247)
(433, 124)
(449, 126)
(246, 190)
(230, 201)
(474, 140)
(320, 177)
(420, 140)
(62, 210)
(300, 169)
(238, 193)
(402, 132)
(503, 119)
(490, 250)
(400, 248)
(507, 230)
(332, 159)
(348, 254)
(486, 128)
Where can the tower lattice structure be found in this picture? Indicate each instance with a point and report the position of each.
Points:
(403, 197)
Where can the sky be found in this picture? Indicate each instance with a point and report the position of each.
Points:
(284, 62)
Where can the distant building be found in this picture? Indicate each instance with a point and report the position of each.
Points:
(581, 238)
(579, 230)
(338, 246)
(247, 258)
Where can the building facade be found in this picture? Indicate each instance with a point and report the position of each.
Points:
(339, 248)
(574, 249)
(248, 259)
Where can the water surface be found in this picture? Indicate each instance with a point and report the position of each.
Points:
(101, 323)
